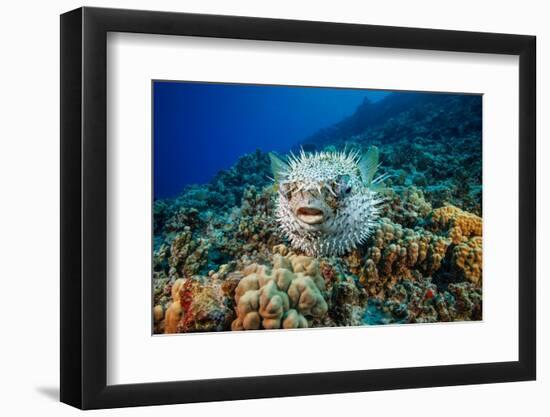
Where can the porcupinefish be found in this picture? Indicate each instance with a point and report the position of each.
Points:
(328, 202)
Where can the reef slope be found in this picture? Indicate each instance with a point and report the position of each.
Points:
(221, 263)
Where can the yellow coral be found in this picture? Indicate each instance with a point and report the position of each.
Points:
(281, 249)
(173, 317)
(400, 253)
(175, 291)
(354, 261)
(369, 273)
(282, 297)
(273, 304)
(460, 224)
(468, 258)
(309, 266)
(294, 320)
(174, 311)
(158, 313)
(306, 297)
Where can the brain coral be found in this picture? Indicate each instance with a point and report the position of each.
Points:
(284, 297)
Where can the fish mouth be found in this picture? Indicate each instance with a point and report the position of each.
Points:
(310, 215)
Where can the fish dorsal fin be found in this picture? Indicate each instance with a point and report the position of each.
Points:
(368, 165)
(279, 168)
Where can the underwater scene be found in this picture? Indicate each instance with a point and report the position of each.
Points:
(285, 207)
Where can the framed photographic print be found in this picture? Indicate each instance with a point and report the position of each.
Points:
(280, 208)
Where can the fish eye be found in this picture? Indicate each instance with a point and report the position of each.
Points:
(345, 179)
(286, 190)
(345, 184)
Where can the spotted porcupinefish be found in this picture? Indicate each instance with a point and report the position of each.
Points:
(327, 201)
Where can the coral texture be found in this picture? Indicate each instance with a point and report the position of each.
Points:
(467, 257)
(459, 224)
(398, 253)
(196, 306)
(221, 260)
(284, 297)
(186, 254)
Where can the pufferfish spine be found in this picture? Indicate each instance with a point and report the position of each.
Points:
(327, 201)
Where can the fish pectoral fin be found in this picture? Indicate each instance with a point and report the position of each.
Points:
(378, 188)
(278, 167)
(369, 164)
(377, 185)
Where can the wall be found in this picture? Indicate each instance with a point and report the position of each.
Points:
(29, 214)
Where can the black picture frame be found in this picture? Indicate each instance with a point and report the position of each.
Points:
(84, 207)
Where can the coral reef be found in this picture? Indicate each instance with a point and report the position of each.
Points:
(429, 141)
(422, 301)
(398, 253)
(197, 305)
(401, 274)
(174, 310)
(406, 206)
(293, 291)
(406, 271)
(226, 189)
(221, 261)
(204, 308)
(186, 254)
(460, 224)
(467, 257)
(284, 297)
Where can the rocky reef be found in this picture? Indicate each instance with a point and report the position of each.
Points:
(430, 141)
(220, 262)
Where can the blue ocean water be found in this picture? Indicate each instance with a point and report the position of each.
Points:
(202, 128)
